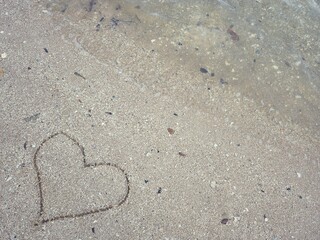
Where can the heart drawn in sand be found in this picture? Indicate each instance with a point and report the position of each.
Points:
(70, 187)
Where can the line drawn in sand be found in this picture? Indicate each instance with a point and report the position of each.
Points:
(68, 214)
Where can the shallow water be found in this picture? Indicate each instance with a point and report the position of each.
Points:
(267, 51)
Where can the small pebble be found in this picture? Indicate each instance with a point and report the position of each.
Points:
(203, 70)
(182, 154)
(224, 221)
(171, 131)
(4, 55)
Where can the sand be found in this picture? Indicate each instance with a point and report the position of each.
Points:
(106, 133)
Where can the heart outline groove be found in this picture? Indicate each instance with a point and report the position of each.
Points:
(85, 165)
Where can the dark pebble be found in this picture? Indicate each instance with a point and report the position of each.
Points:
(224, 221)
(182, 154)
(171, 131)
(159, 190)
(203, 70)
